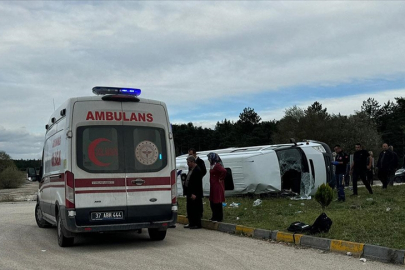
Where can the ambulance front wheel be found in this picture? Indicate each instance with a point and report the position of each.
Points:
(156, 235)
(63, 241)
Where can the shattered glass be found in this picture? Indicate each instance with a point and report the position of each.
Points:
(295, 174)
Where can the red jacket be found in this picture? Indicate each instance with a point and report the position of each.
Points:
(217, 186)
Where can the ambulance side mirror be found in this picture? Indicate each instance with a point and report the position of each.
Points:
(39, 175)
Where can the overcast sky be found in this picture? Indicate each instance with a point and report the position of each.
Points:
(206, 60)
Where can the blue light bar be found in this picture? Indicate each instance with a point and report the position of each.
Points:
(105, 90)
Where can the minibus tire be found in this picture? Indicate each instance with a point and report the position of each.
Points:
(41, 222)
(63, 241)
(156, 235)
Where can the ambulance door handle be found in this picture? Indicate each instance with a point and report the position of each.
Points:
(138, 182)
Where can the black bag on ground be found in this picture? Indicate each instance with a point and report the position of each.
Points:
(299, 227)
(321, 224)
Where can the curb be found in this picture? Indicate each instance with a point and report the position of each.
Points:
(376, 253)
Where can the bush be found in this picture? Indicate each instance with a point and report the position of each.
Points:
(324, 195)
(11, 177)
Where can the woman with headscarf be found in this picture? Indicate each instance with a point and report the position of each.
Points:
(217, 186)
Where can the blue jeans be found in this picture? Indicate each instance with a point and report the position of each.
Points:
(332, 182)
(340, 185)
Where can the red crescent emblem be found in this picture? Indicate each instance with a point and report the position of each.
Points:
(92, 153)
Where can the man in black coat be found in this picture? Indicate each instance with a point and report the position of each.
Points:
(359, 168)
(194, 194)
(385, 165)
(394, 166)
(198, 160)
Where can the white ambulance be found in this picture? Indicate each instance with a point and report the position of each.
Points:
(108, 165)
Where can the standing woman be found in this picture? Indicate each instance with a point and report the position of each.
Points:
(217, 186)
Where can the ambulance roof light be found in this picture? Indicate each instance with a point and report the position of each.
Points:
(105, 90)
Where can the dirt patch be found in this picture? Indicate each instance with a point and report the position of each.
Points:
(27, 192)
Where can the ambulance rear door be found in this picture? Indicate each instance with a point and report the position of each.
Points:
(149, 162)
(98, 162)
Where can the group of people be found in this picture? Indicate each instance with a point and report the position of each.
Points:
(363, 167)
(193, 188)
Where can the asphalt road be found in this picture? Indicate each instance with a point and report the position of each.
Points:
(25, 246)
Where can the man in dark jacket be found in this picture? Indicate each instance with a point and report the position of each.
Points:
(340, 162)
(198, 160)
(394, 166)
(194, 194)
(385, 165)
(359, 168)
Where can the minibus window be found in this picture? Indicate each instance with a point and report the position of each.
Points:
(294, 171)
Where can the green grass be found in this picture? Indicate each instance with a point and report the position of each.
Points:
(357, 220)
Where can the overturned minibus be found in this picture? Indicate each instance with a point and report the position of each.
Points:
(296, 168)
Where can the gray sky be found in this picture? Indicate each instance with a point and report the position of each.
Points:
(207, 60)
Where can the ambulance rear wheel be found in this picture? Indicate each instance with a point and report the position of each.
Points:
(156, 235)
(39, 218)
(63, 241)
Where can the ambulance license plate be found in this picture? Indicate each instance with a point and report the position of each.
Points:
(107, 215)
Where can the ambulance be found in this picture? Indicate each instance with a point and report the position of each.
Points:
(108, 164)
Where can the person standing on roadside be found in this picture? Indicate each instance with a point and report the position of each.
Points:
(194, 194)
(370, 172)
(385, 165)
(359, 168)
(198, 160)
(217, 186)
(340, 162)
(394, 166)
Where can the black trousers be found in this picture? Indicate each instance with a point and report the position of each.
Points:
(383, 175)
(363, 177)
(370, 177)
(194, 211)
(217, 211)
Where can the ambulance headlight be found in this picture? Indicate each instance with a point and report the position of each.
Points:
(105, 90)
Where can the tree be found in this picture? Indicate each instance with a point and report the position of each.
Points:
(313, 123)
(249, 116)
(5, 161)
(389, 120)
(371, 108)
(10, 177)
(316, 123)
(225, 135)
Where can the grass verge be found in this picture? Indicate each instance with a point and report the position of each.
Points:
(376, 219)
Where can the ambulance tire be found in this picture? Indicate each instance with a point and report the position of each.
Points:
(39, 218)
(156, 235)
(63, 241)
